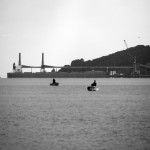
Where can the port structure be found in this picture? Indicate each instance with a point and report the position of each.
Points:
(42, 64)
(18, 68)
(135, 70)
(108, 69)
(132, 59)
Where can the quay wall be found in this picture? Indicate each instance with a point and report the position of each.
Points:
(89, 74)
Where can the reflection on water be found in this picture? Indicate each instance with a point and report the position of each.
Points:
(34, 115)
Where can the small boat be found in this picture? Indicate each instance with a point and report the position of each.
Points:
(92, 88)
(54, 84)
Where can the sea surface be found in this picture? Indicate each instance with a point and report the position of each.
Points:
(36, 116)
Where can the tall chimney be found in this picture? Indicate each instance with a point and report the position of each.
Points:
(19, 59)
(42, 65)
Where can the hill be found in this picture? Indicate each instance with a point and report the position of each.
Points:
(120, 58)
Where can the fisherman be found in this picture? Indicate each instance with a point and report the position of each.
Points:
(94, 83)
(54, 80)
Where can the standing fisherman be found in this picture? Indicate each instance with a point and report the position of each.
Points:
(54, 80)
(94, 83)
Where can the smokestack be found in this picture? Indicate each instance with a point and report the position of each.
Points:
(42, 65)
(19, 59)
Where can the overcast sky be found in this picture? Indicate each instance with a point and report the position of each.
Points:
(65, 30)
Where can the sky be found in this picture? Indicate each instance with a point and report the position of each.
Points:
(65, 30)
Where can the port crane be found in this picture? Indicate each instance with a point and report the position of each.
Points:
(131, 58)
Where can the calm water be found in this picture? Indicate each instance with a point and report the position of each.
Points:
(35, 116)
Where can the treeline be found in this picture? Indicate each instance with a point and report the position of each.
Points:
(120, 58)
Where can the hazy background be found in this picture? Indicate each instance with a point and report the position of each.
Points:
(69, 29)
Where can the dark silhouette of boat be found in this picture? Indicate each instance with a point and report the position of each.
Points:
(54, 84)
(92, 88)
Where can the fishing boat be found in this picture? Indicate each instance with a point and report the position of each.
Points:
(92, 88)
(54, 84)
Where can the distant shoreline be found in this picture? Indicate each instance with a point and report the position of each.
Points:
(71, 75)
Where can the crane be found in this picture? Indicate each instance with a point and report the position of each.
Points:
(128, 50)
(132, 58)
(125, 44)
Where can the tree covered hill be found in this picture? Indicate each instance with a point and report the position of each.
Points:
(120, 58)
